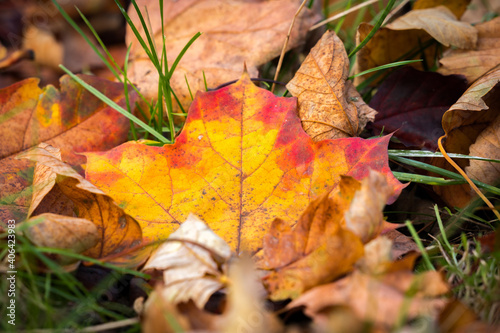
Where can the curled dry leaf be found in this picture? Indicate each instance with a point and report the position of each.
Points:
(193, 261)
(441, 24)
(70, 118)
(463, 123)
(327, 239)
(58, 182)
(329, 105)
(378, 299)
(233, 139)
(63, 232)
(233, 33)
(474, 63)
(457, 7)
(408, 34)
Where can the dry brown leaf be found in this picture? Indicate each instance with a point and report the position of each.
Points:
(329, 106)
(441, 24)
(193, 261)
(233, 33)
(371, 299)
(63, 232)
(474, 111)
(56, 182)
(487, 145)
(457, 7)
(474, 63)
(407, 34)
(479, 9)
(401, 244)
(327, 239)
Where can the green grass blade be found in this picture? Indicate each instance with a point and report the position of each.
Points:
(181, 54)
(115, 106)
(424, 153)
(418, 241)
(377, 26)
(391, 65)
(411, 177)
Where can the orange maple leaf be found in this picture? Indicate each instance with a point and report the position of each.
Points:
(241, 160)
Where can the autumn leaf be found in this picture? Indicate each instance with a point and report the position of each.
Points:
(233, 33)
(241, 160)
(70, 118)
(474, 63)
(411, 104)
(406, 37)
(63, 232)
(457, 7)
(463, 123)
(329, 105)
(193, 261)
(327, 239)
(57, 182)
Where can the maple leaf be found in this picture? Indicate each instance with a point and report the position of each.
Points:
(57, 185)
(330, 107)
(70, 118)
(474, 63)
(233, 32)
(411, 104)
(241, 160)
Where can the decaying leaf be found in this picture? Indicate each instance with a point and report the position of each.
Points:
(327, 239)
(233, 33)
(70, 118)
(193, 261)
(474, 111)
(411, 103)
(457, 7)
(241, 160)
(441, 24)
(411, 35)
(63, 232)
(118, 232)
(379, 300)
(329, 105)
(474, 63)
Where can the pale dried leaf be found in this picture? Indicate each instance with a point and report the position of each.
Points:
(474, 63)
(193, 263)
(440, 23)
(329, 106)
(63, 232)
(364, 216)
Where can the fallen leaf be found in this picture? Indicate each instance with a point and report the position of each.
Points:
(372, 299)
(63, 232)
(118, 232)
(233, 33)
(71, 119)
(474, 63)
(441, 24)
(401, 244)
(329, 105)
(457, 7)
(246, 310)
(474, 111)
(487, 145)
(478, 10)
(316, 250)
(409, 36)
(411, 103)
(241, 160)
(193, 261)
(327, 239)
